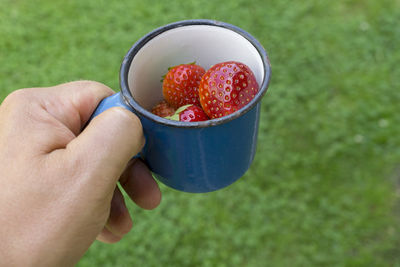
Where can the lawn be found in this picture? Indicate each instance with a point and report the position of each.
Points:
(324, 189)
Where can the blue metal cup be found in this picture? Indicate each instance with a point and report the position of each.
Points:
(192, 156)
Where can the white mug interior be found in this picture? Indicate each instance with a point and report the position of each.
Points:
(204, 44)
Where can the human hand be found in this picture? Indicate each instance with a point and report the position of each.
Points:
(58, 182)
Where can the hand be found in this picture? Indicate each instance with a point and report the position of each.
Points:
(58, 182)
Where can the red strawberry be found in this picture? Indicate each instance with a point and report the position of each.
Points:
(189, 113)
(163, 109)
(193, 113)
(227, 87)
(181, 85)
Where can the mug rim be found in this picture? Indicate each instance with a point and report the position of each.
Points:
(126, 63)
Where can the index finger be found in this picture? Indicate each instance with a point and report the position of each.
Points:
(73, 103)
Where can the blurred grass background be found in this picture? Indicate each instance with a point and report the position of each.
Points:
(324, 189)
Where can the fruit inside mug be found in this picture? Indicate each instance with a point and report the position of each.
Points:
(194, 94)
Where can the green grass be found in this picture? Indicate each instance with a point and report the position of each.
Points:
(324, 189)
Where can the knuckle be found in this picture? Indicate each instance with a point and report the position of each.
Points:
(96, 87)
(18, 97)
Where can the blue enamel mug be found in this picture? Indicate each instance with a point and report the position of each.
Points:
(192, 156)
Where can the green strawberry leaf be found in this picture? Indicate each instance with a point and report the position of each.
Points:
(175, 117)
(180, 109)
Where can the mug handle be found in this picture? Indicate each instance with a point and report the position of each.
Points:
(114, 100)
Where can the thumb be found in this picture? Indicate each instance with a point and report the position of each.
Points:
(105, 146)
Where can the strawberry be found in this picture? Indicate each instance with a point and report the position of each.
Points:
(181, 85)
(163, 109)
(193, 113)
(189, 113)
(227, 87)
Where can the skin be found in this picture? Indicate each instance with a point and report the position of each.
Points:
(58, 183)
